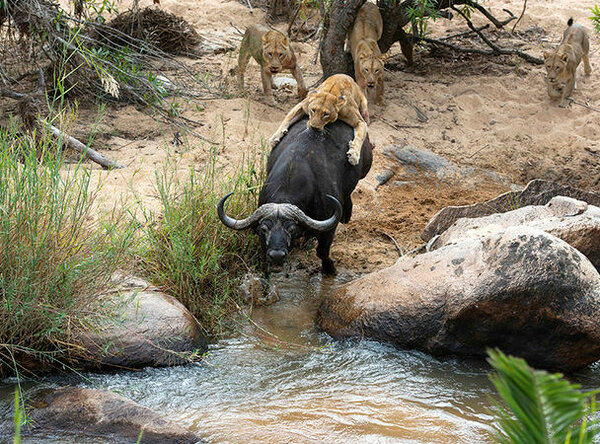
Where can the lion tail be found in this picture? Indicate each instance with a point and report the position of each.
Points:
(570, 22)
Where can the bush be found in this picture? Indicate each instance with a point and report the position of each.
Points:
(190, 253)
(54, 258)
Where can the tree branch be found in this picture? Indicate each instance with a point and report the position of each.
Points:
(497, 49)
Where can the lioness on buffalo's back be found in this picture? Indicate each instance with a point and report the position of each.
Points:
(272, 51)
(337, 98)
(561, 64)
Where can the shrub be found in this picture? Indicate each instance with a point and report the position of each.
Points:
(55, 257)
(190, 253)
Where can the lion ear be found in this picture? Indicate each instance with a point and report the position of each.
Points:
(265, 39)
(362, 56)
(546, 54)
(286, 41)
(565, 57)
(383, 57)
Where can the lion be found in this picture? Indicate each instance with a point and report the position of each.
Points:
(368, 60)
(272, 51)
(338, 97)
(561, 64)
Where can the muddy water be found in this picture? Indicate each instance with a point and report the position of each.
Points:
(294, 384)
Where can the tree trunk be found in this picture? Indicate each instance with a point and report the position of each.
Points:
(334, 59)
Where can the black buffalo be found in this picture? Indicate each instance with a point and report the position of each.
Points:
(306, 192)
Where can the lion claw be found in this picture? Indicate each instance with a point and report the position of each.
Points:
(353, 158)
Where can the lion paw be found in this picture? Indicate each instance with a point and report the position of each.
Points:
(353, 157)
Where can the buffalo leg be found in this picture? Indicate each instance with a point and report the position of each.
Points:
(325, 240)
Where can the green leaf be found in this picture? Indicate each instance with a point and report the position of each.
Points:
(539, 407)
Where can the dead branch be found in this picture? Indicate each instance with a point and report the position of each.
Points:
(71, 142)
(495, 48)
(465, 33)
(86, 151)
(520, 17)
(497, 23)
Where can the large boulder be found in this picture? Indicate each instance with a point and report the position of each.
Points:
(522, 290)
(537, 192)
(88, 412)
(571, 220)
(146, 328)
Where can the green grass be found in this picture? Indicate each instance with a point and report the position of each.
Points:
(189, 252)
(55, 257)
(186, 250)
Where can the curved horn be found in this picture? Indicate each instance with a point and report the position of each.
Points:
(237, 224)
(320, 225)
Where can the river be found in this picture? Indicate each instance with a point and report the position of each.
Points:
(279, 379)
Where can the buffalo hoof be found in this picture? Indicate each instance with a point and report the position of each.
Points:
(328, 267)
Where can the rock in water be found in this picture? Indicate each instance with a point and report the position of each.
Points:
(521, 290)
(150, 328)
(103, 413)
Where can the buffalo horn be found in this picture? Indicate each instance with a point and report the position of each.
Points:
(237, 224)
(319, 225)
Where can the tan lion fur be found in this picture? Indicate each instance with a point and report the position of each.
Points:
(338, 97)
(272, 51)
(561, 64)
(368, 60)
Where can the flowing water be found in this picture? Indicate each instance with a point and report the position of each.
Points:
(292, 383)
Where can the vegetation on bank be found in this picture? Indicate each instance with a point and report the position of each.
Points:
(189, 252)
(56, 257)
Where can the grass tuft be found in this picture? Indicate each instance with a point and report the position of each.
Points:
(190, 253)
(55, 257)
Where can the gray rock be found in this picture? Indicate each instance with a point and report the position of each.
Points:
(97, 413)
(522, 290)
(571, 220)
(149, 328)
(537, 192)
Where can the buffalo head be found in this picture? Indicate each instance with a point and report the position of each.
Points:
(278, 225)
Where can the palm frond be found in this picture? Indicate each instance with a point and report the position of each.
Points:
(539, 407)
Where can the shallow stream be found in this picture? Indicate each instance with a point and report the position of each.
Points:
(303, 387)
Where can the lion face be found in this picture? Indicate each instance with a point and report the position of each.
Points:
(276, 51)
(323, 108)
(370, 69)
(557, 68)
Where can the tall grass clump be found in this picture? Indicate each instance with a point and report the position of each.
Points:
(56, 257)
(190, 253)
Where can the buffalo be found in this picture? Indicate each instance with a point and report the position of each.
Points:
(307, 191)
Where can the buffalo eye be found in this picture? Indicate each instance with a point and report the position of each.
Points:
(262, 229)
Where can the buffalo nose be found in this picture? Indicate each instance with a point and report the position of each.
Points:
(276, 256)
